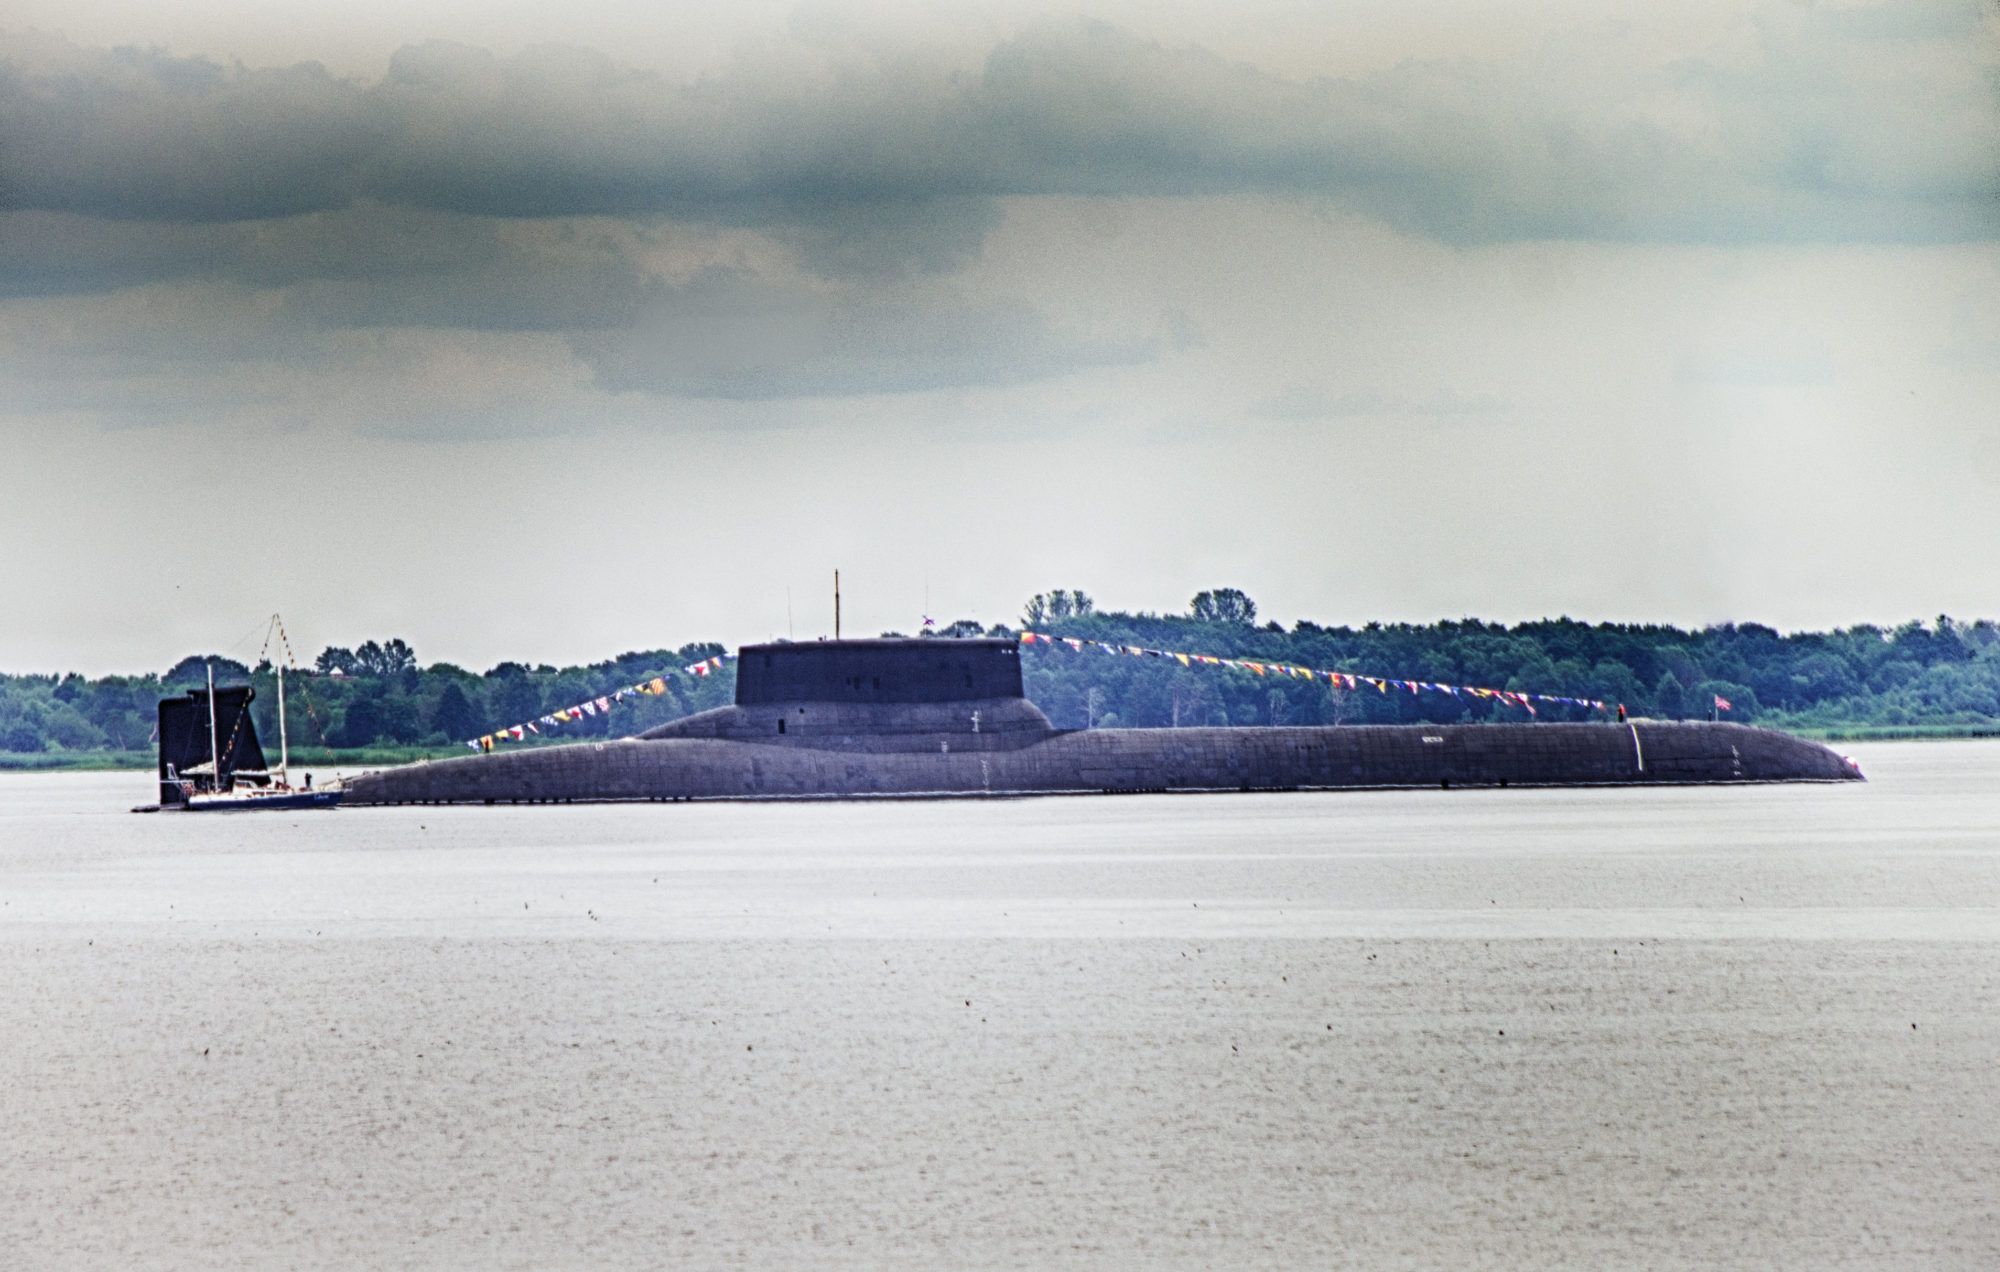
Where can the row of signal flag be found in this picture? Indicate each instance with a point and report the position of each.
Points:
(595, 706)
(1383, 684)
(1348, 679)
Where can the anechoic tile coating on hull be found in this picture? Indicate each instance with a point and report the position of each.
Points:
(1114, 760)
(947, 718)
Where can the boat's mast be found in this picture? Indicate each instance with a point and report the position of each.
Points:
(836, 604)
(214, 744)
(284, 750)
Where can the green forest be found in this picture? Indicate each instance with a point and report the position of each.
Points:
(377, 702)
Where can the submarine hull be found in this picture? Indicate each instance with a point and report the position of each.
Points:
(1121, 760)
(915, 718)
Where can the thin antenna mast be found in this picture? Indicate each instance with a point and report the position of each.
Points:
(284, 746)
(836, 604)
(214, 746)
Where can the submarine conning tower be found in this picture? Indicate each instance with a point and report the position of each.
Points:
(878, 671)
(875, 695)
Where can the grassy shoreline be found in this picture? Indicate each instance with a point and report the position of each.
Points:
(146, 761)
(1892, 732)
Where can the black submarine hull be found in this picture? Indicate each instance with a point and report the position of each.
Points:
(1124, 761)
(946, 718)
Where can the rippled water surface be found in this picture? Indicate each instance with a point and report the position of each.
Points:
(1753, 1026)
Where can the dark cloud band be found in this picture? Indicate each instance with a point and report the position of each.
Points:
(1815, 138)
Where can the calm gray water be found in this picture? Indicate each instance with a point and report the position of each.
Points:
(1509, 1028)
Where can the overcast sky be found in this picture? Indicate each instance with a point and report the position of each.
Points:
(546, 332)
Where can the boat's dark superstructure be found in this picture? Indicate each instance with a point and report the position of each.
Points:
(211, 761)
(188, 759)
(846, 719)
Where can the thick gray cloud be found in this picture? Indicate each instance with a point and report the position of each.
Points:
(530, 193)
(55, 253)
(139, 133)
(281, 293)
(469, 272)
(1805, 129)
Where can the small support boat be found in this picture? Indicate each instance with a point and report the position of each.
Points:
(211, 761)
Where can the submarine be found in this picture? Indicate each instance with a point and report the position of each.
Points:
(939, 718)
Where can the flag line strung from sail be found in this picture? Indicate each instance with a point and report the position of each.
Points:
(1348, 679)
(593, 706)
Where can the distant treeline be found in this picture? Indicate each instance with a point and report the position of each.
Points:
(371, 697)
(1944, 673)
